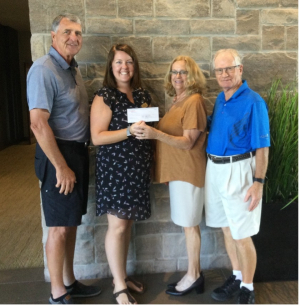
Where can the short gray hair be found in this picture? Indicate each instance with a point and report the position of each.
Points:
(58, 19)
(233, 52)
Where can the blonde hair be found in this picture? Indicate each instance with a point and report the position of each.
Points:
(233, 52)
(195, 83)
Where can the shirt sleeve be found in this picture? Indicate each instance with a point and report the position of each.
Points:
(41, 88)
(260, 127)
(107, 95)
(195, 116)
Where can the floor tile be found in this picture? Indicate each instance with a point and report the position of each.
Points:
(27, 286)
(21, 275)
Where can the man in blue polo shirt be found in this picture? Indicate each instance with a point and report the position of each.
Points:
(238, 147)
(59, 115)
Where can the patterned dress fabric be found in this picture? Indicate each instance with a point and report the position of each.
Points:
(123, 168)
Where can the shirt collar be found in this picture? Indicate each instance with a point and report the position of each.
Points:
(133, 91)
(242, 88)
(60, 60)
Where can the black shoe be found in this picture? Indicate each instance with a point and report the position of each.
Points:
(80, 290)
(64, 299)
(246, 296)
(230, 288)
(198, 285)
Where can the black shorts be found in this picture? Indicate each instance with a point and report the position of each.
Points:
(60, 209)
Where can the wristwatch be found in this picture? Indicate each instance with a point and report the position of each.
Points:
(128, 131)
(260, 180)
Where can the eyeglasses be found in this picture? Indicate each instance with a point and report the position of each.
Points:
(230, 69)
(181, 72)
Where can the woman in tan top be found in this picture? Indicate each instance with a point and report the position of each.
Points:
(181, 160)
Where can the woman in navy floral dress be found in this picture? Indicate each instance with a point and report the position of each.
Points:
(122, 163)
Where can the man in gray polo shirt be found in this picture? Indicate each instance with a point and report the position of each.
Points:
(59, 115)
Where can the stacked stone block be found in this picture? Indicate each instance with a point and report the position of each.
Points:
(264, 31)
(159, 30)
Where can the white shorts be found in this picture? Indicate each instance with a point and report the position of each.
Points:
(226, 186)
(186, 203)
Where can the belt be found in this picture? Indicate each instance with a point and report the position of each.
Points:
(226, 160)
(73, 143)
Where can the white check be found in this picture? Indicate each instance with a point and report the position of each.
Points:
(147, 114)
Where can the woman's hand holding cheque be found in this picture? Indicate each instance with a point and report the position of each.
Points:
(144, 131)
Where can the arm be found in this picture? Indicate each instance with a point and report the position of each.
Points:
(45, 137)
(256, 190)
(185, 142)
(209, 119)
(101, 116)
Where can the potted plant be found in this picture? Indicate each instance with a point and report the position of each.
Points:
(277, 241)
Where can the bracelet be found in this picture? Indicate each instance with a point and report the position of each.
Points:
(128, 133)
(260, 180)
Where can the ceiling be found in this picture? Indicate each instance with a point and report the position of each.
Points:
(15, 14)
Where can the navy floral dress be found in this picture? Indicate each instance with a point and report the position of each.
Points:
(123, 168)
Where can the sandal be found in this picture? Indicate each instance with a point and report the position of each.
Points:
(130, 298)
(136, 283)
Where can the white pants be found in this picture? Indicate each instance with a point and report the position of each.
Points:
(226, 186)
(186, 203)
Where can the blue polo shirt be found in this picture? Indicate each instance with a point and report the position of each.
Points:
(56, 86)
(239, 125)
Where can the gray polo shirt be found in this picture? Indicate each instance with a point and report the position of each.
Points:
(56, 86)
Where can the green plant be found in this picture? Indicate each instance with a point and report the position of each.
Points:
(282, 171)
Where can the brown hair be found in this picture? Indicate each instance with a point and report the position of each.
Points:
(196, 82)
(109, 78)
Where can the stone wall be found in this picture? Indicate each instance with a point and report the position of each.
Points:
(266, 34)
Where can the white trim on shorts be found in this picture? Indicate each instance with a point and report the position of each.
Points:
(226, 186)
(186, 201)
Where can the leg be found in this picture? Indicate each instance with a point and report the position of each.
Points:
(130, 284)
(55, 252)
(68, 272)
(127, 242)
(127, 235)
(232, 285)
(247, 258)
(193, 279)
(231, 248)
(193, 244)
(115, 246)
(75, 288)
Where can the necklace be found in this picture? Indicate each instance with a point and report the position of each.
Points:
(179, 98)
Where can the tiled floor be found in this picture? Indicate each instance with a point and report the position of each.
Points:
(27, 286)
